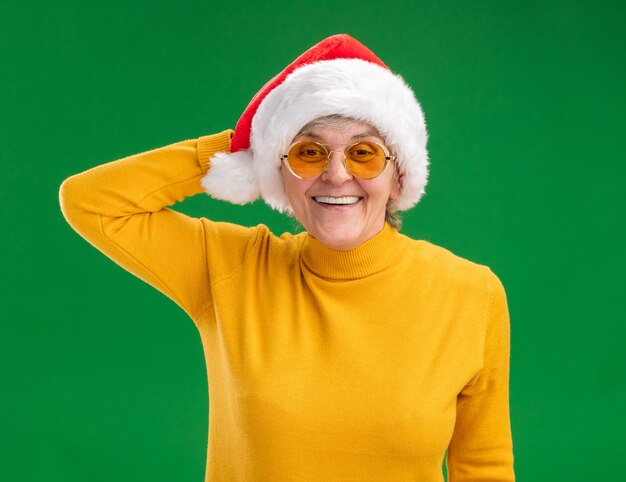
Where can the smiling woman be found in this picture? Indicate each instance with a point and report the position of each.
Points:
(346, 352)
(341, 122)
(335, 206)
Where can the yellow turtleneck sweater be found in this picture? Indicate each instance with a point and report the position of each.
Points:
(323, 365)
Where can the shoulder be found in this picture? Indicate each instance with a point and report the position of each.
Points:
(446, 266)
(258, 239)
(231, 247)
(259, 234)
(230, 233)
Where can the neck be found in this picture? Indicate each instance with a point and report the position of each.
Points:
(370, 257)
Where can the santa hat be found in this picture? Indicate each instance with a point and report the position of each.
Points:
(339, 75)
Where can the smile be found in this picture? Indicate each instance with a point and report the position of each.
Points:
(337, 200)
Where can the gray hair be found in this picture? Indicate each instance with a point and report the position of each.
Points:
(339, 121)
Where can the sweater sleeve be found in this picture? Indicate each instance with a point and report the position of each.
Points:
(120, 208)
(481, 447)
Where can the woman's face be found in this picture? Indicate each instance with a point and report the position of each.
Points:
(341, 226)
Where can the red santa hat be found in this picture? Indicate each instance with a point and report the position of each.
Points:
(339, 75)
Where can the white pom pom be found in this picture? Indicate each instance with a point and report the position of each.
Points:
(231, 177)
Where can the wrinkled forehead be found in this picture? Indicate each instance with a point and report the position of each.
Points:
(335, 127)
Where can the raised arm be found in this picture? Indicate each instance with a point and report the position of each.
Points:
(481, 448)
(120, 208)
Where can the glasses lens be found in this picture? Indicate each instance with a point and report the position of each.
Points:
(366, 160)
(307, 159)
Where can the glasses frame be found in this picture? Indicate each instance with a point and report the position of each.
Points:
(388, 157)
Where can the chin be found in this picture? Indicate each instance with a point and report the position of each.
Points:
(338, 237)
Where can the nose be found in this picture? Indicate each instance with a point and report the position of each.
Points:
(336, 173)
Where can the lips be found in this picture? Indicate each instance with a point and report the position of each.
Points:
(343, 200)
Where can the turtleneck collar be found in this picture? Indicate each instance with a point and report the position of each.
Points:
(374, 255)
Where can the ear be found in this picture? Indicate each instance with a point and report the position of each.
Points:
(396, 184)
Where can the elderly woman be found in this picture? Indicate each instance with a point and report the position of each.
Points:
(346, 352)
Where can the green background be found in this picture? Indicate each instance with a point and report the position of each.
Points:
(103, 377)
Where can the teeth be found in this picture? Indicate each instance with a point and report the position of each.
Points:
(337, 200)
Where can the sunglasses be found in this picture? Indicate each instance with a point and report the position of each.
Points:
(364, 159)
